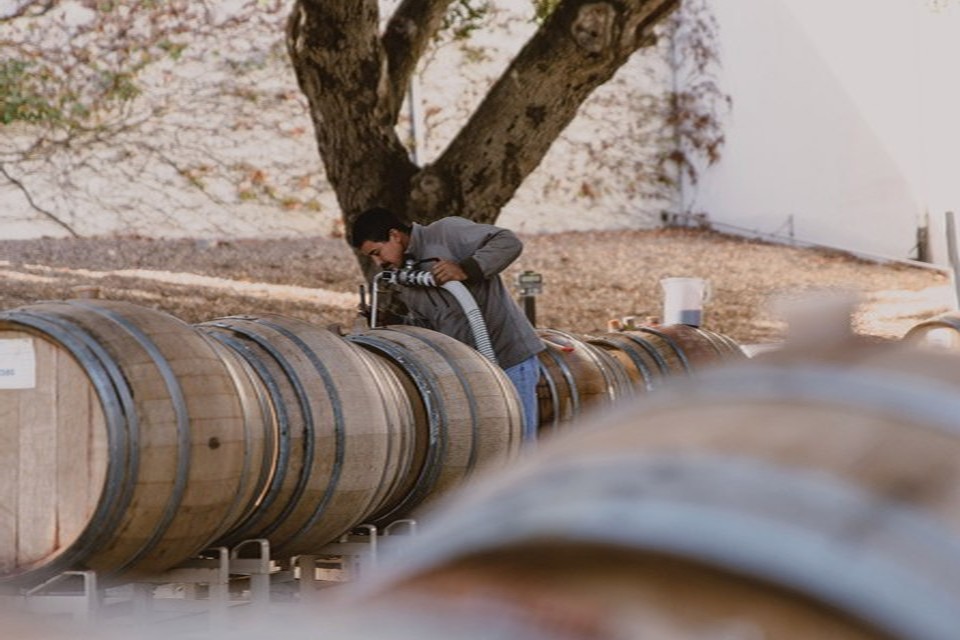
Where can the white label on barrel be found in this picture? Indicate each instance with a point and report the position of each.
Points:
(18, 364)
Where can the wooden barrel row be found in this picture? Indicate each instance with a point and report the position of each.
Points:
(808, 493)
(130, 440)
(579, 372)
(123, 440)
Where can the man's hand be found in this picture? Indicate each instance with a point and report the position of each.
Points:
(445, 271)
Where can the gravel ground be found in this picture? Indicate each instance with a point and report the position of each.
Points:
(589, 278)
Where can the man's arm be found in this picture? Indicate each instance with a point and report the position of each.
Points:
(488, 249)
(445, 271)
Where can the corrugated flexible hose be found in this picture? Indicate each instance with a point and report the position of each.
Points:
(481, 338)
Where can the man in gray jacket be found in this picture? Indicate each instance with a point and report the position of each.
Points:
(457, 249)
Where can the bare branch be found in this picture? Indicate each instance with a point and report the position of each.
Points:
(36, 207)
(27, 8)
(408, 33)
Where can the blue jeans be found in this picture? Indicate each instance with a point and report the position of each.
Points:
(524, 377)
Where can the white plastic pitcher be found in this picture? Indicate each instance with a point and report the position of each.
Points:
(683, 300)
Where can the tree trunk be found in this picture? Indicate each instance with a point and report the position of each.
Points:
(355, 81)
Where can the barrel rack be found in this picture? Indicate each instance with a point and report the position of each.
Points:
(205, 591)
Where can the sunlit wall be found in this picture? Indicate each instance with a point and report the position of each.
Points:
(844, 128)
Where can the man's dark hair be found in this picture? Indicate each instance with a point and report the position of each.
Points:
(374, 225)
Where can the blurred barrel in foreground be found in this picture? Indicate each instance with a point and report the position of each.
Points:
(123, 445)
(345, 430)
(467, 411)
(797, 497)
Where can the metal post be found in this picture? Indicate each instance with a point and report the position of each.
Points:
(923, 239)
(258, 568)
(954, 258)
(530, 285)
(530, 309)
(86, 605)
(308, 575)
(409, 523)
(219, 590)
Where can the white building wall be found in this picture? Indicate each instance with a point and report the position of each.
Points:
(844, 127)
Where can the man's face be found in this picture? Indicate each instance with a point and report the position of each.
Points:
(386, 255)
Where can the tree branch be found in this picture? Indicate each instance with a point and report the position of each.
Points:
(26, 193)
(408, 34)
(578, 48)
(31, 8)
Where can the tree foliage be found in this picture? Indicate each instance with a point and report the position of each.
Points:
(85, 104)
(695, 105)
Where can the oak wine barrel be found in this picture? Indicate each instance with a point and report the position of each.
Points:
(468, 412)
(650, 354)
(345, 431)
(574, 376)
(124, 446)
(641, 360)
(808, 495)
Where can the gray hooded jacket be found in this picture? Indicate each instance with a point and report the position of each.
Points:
(482, 251)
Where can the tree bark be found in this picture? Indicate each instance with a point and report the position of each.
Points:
(342, 69)
(355, 82)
